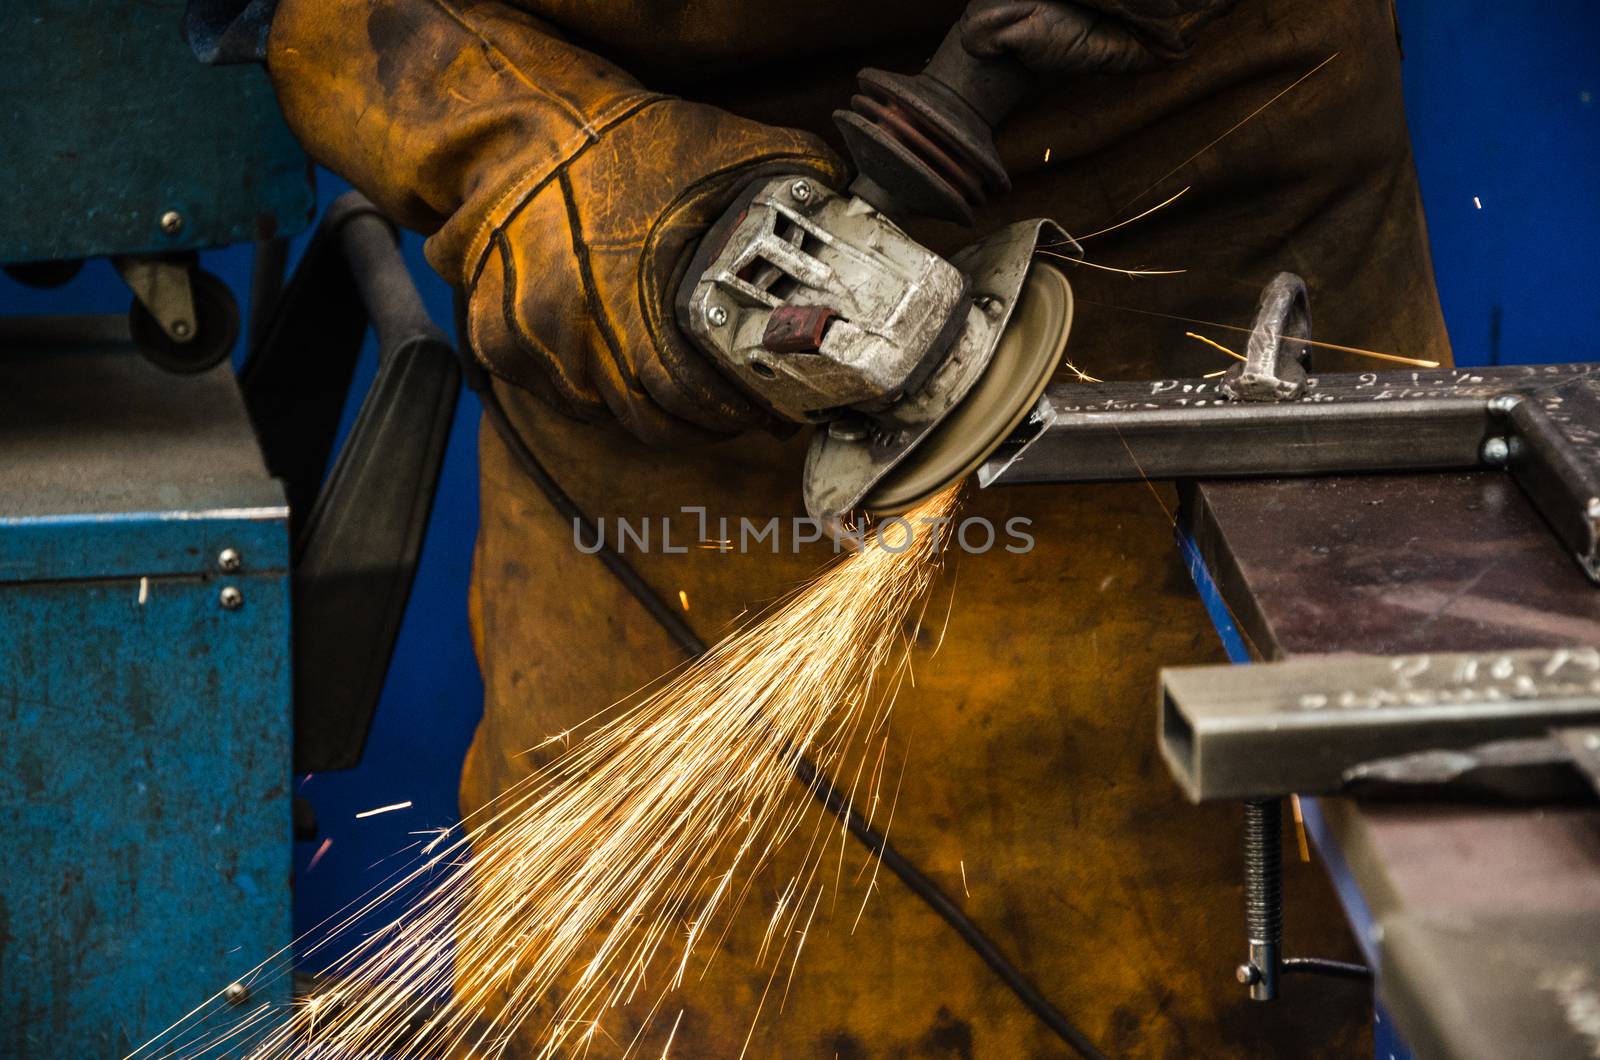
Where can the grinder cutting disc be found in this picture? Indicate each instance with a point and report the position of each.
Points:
(1024, 360)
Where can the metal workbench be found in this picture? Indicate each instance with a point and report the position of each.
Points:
(1483, 922)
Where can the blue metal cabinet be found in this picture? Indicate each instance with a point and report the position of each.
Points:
(144, 701)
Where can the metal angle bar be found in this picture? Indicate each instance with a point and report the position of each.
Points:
(1348, 422)
(1309, 725)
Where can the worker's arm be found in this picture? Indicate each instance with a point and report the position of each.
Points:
(558, 193)
(563, 197)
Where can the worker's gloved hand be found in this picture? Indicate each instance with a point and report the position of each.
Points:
(574, 279)
(1060, 38)
(563, 198)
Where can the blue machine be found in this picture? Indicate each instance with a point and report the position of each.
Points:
(160, 519)
(144, 698)
(145, 678)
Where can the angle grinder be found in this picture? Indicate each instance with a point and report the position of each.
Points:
(916, 369)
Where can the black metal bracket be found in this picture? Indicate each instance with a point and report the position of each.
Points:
(357, 533)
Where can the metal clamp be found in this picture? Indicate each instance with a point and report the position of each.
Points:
(1275, 365)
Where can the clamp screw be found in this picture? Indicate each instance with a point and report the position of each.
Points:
(717, 315)
(229, 559)
(236, 993)
(172, 222)
(1496, 452)
(801, 190)
(1263, 896)
(230, 598)
(1247, 974)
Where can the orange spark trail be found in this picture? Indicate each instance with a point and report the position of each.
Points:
(599, 880)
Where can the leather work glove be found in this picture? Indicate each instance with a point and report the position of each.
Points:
(562, 197)
(1060, 38)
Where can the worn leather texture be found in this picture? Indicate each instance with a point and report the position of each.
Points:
(1055, 38)
(1028, 739)
(559, 194)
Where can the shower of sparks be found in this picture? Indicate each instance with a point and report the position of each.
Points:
(1079, 374)
(1047, 154)
(612, 873)
(964, 880)
(1299, 828)
(1135, 273)
(683, 598)
(1477, 202)
(1395, 358)
(1214, 345)
(321, 850)
(1241, 123)
(384, 809)
(1136, 217)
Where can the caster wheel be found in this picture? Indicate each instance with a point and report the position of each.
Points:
(216, 329)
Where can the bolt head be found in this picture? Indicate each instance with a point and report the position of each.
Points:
(717, 315)
(1247, 974)
(1496, 452)
(172, 222)
(800, 190)
(231, 598)
(180, 329)
(229, 559)
(236, 993)
(1592, 742)
(1504, 403)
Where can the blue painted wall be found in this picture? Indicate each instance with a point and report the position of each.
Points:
(1502, 101)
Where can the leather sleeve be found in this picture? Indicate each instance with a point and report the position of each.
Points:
(558, 193)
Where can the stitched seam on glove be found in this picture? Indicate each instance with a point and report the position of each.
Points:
(591, 293)
(555, 371)
(538, 176)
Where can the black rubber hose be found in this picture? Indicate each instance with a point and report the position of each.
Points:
(805, 771)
